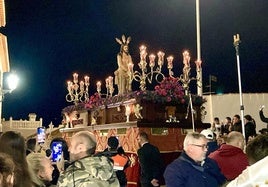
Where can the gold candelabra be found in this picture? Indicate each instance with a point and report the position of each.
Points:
(145, 75)
(109, 87)
(77, 92)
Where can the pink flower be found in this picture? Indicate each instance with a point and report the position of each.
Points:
(168, 99)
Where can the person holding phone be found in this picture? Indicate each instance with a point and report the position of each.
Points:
(40, 168)
(62, 156)
(41, 135)
(87, 169)
(56, 151)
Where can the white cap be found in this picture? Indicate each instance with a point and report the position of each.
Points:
(208, 134)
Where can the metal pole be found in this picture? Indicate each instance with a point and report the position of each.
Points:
(210, 84)
(236, 45)
(198, 61)
(192, 111)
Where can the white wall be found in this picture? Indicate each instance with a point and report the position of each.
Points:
(229, 104)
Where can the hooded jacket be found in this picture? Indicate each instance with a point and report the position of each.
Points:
(231, 160)
(89, 171)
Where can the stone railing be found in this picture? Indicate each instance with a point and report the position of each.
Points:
(25, 127)
(24, 124)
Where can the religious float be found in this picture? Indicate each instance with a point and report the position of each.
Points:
(165, 113)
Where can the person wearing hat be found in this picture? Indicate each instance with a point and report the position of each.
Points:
(87, 169)
(212, 143)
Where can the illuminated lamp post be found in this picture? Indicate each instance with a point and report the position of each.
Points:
(12, 81)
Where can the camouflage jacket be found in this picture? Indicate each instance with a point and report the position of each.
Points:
(89, 172)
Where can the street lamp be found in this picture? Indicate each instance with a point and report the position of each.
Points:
(12, 81)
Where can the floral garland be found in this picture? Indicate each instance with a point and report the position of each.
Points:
(169, 91)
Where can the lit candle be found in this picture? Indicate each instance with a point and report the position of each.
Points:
(143, 55)
(98, 86)
(170, 62)
(152, 60)
(82, 86)
(160, 55)
(107, 82)
(110, 79)
(69, 86)
(75, 76)
(86, 80)
(142, 48)
(186, 58)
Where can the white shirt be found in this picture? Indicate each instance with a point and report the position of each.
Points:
(253, 176)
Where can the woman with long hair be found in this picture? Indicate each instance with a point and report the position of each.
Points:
(13, 144)
(40, 168)
(7, 167)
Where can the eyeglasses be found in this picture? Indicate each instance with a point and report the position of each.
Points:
(204, 146)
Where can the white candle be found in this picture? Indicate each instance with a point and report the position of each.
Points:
(86, 80)
(152, 60)
(107, 82)
(82, 86)
(98, 86)
(170, 62)
(69, 86)
(75, 76)
(160, 55)
(186, 58)
(110, 79)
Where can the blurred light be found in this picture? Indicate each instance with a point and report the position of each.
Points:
(12, 81)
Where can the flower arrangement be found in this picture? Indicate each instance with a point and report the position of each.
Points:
(169, 91)
(94, 101)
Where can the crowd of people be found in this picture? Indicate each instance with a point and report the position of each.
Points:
(218, 156)
(222, 156)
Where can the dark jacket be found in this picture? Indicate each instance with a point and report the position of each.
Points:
(231, 160)
(212, 146)
(250, 130)
(237, 127)
(184, 171)
(151, 163)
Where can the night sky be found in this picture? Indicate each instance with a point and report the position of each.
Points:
(49, 40)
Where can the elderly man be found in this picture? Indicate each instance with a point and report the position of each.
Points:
(230, 156)
(87, 170)
(192, 168)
